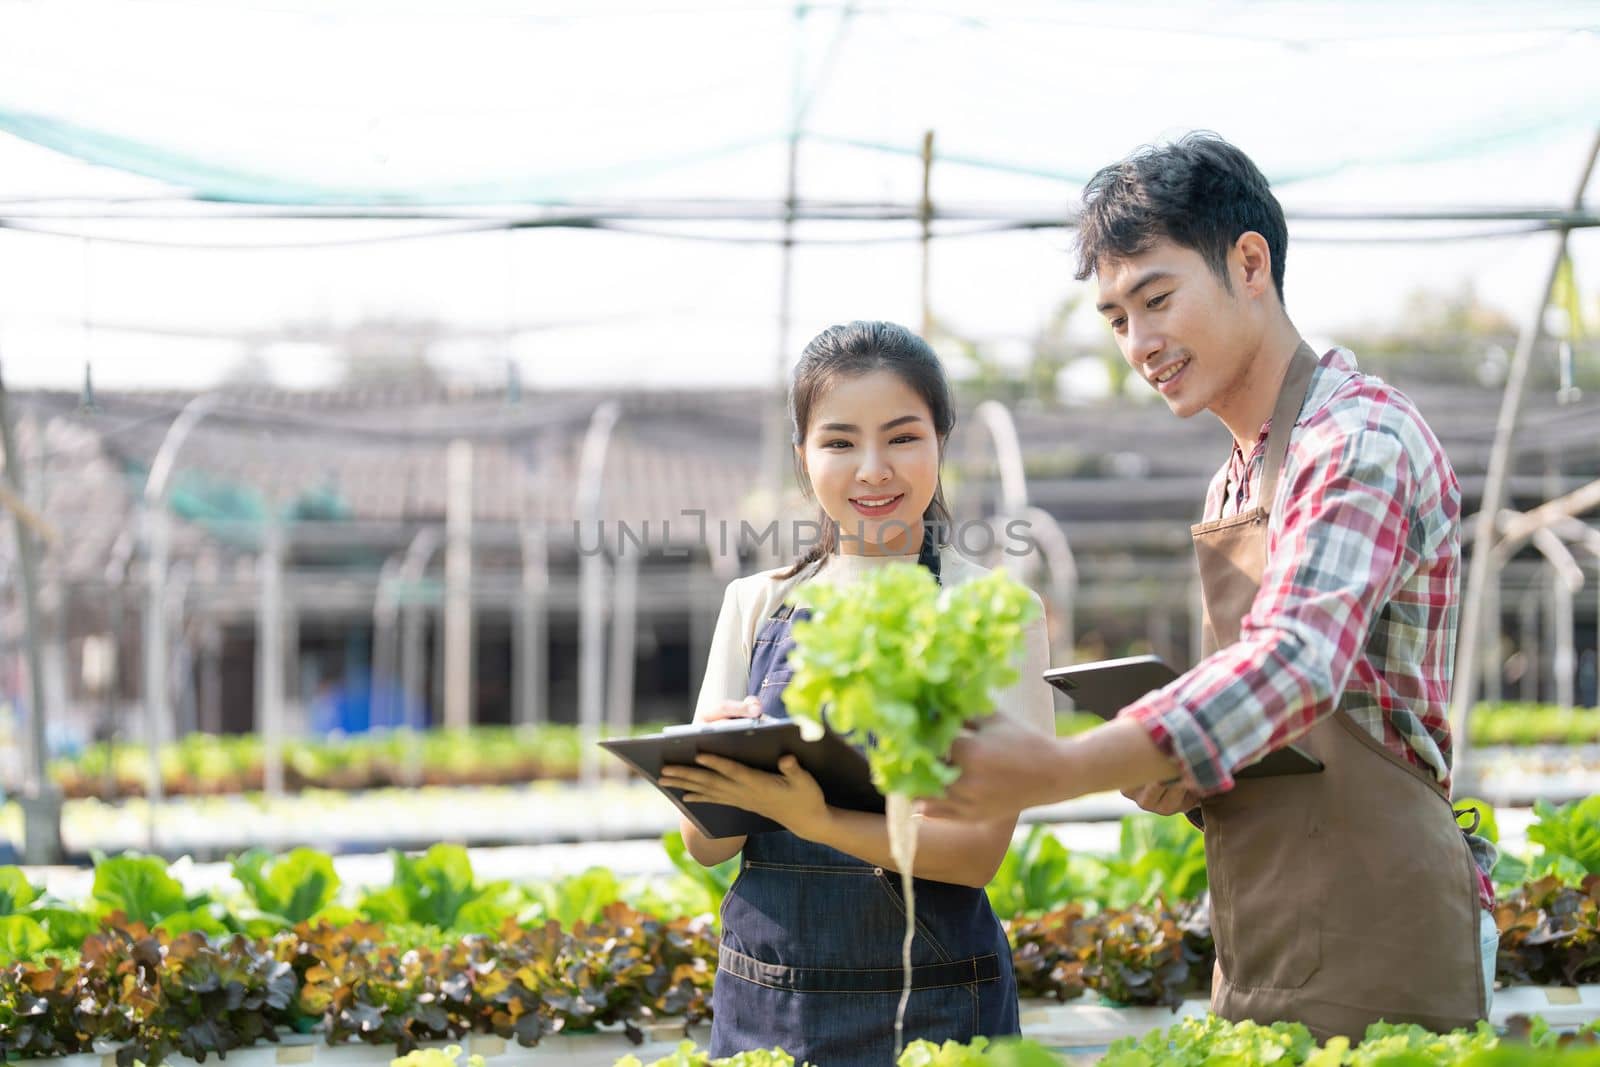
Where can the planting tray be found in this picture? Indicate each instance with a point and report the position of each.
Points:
(1080, 1028)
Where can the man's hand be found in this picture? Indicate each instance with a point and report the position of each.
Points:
(1164, 798)
(1005, 767)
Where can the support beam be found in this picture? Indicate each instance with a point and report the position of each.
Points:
(1494, 490)
(458, 652)
(157, 531)
(41, 803)
(624, 635)
(592, 575)
(270, 658)
(531, 681)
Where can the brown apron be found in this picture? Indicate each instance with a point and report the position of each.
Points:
(1338, 898)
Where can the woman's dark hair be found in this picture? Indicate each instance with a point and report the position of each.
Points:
(1199, 192)
(849, 351)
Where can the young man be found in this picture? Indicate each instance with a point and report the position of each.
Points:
(1329, 560)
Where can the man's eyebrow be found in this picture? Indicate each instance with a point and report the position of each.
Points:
(846, 427)
(1148, 278)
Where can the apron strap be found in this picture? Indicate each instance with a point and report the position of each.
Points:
(1285, 412)
(928, 556)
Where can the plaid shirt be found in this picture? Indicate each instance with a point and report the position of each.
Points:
(1358, 601)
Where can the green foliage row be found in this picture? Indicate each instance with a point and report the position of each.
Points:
(157, 994)
(211, 764)
(430, 898)
(1156, 858)
(1507, 723)
(1533, 724)
(1105, 922)
(1214, 1042)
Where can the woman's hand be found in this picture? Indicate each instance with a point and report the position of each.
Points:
(790, 798)
(748, 708)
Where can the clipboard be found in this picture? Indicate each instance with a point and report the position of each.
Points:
(1106, 686)
(839, 768)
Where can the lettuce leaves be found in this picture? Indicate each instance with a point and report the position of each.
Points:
(899, 664)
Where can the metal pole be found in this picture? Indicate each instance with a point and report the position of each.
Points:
(1564, 656)
(532, 677)
(458, 672)
(1493, 655)
(1528, 610)
(624, 634)
(774, 427)
(269, 657)
(775, 430)
(158, 538)
(1051, 539)
(412, 622)
(41, 804)
(927, 233)
(211, 678)
(592, 575)
(1494, 487)
(591, 586)
(385, 612)
(996, 418)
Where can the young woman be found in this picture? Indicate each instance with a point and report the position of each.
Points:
(812, 928)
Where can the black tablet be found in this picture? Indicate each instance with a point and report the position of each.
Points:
(839, 769)
(1107, 686)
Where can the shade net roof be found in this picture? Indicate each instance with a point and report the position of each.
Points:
(476, 102)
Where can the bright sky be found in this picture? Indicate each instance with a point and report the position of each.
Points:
(626, 101)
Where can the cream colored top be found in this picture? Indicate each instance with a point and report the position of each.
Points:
(751, 600)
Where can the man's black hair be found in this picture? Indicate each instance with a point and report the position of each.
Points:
(1199, 192)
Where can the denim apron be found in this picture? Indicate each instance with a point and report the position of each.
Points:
(810, 959)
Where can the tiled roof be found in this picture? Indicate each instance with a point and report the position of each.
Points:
(380, 453)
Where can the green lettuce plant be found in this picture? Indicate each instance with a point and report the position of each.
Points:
(291, 887)
(1572, 830)
(687, 1055)
(437, 889)
(900, 665)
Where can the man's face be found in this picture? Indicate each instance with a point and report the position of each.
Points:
(1176, 324)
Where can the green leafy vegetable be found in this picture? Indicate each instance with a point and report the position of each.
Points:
(1572, 830)
(448, 1056)
(1157, 856)
(21, 937)
(981, 1052)
(294, 886)
(139, 887)
(1034, 877)
(687, 1055)
(897, 663)
(16, 892)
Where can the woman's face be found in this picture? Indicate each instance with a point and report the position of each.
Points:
(872, 457)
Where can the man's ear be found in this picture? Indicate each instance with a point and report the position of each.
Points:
(1251, 263)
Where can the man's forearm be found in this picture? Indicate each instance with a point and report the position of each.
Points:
(1118, 755)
